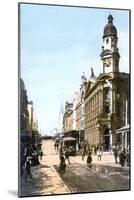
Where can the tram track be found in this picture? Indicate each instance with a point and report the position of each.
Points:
(103, 175)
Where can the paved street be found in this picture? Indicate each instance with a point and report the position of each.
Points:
(81, 178)
(103, 175)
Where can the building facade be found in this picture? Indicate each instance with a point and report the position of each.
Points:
(24, 116)
(74, 116)
(32, 123)
(81, 108)
(78, 112)
(106, 96)
(68, 117)
(28, 120)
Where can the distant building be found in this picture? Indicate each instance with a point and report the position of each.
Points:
(24, 116)
(28, 120)
(80, 109)
(74, 116)
(74, 109)
(33, 122)
(68, 117)
(106, 96)
(60, 120)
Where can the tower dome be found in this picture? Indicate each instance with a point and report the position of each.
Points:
(110, 29)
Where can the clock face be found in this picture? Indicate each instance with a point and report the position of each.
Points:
(107, 62)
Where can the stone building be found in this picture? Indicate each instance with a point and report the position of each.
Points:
(74, 116)
(106, 96)
(78, 112)
(24, 117)
(68, 117)
(30, 113)
(80, 109)
(32, 123)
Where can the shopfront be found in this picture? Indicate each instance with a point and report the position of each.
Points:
(123, 134)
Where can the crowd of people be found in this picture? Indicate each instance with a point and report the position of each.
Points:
(90, 150)
(30, 155)
(121, 155)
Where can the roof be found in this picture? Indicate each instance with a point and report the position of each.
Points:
(110, 29)
(112, 75)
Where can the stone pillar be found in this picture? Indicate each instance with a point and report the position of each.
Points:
(113, 98)
(101, 100)
(123, 139)
(110, 135)
(97, 103)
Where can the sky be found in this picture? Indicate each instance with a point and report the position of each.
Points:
(58, 44)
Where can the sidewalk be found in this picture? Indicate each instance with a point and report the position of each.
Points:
(53, 183)
(46, 181)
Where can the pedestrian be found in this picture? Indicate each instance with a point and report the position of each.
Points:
(57, 146)
(116, 154)
(83, 153)
(110, 149)
(28, 168)
(61, 151)
(35, 158)
(79, 146)
(93, 150)
(127, 157)
(67, 156)
(123, 158)
(85, 146)
(41, 154)
(89, 158)
(62, 167)
(99, 154)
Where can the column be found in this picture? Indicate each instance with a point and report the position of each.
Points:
(99, 102)
(101, 99)
(113, 98)
(111, 136)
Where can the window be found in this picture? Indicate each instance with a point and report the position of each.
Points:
(118, 107)
(107, 100)
(107, 93)
(106, 109)
(107, 40)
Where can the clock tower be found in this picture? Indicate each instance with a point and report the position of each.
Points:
(110, 55)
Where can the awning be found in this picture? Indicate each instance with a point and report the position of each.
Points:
(57, 139)
(123, 129)
(68, 139)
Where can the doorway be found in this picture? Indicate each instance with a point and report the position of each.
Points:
(106, 139)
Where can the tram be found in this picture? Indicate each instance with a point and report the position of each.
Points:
(70, 144)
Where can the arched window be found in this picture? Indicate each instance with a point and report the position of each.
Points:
(107, 40)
